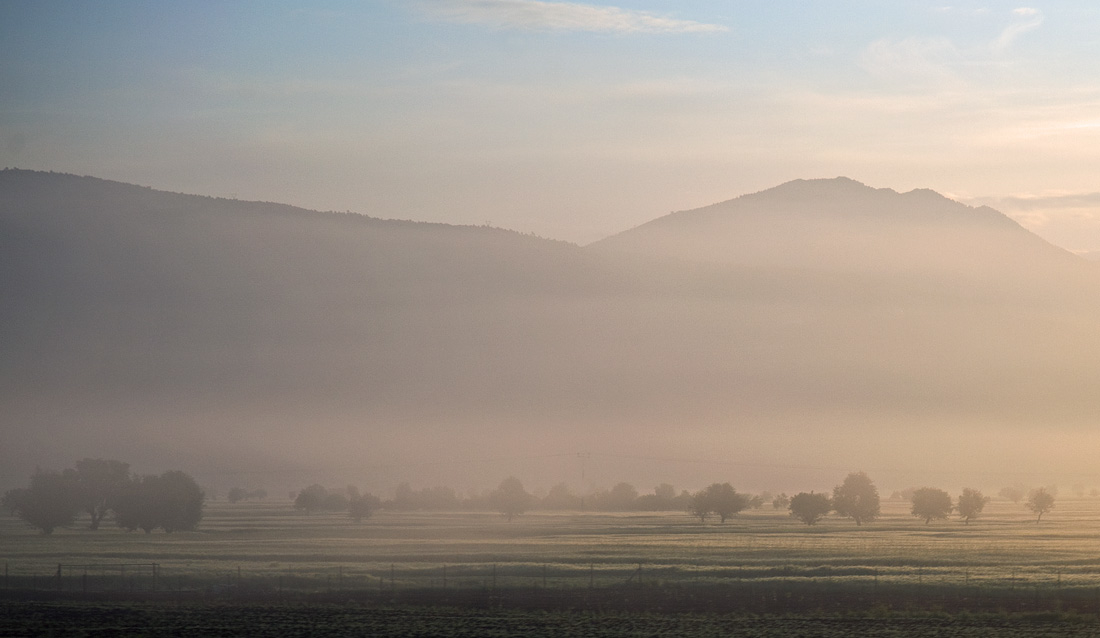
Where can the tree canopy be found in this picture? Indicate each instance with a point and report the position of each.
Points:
(1040, 501)
(510, 499)
(856, 498)
(971, 504)
(172, 501)
(51, 501)
(720, 499)
(931, 503)
(809, 507)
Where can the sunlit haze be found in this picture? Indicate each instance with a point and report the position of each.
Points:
(837, 291)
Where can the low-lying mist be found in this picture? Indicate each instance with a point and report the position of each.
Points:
(777, 342)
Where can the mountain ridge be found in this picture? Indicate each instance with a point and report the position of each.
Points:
(138, 324)
(841, 224)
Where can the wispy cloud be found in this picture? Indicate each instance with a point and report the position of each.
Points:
(940, 61)
(537, 15)
(1036, 202)
(1030, 19)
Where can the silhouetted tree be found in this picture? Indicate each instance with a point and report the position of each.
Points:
(620, 498)
(51, 501)
(510, 499)
(560, 497)
(98, 481)
(1040, 501)
(362, 506)
(809, 508)
(700, 506)
(931, 502)
(133, 504)
(720, 499)
(172, 501)
(856, 498)
(179, 501)
(665, 493)
(311, 499)
(334, 502)
(971, 504)
(781, 501)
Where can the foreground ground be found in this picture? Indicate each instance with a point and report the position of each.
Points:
(121, 619)
(264, 569)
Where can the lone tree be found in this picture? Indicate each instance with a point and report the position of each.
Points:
(362, 506)
(51, 501)
(810, 508)
(1040, 501)
(856, 498)
(98, 483)
(971, 504)
(699, 505)
(311, 499)
(172, 501)
(510, 499)
(179, 501)
(931, 502)
(720, 499)
(781, 501)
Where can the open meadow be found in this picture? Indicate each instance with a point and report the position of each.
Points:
(759, 562)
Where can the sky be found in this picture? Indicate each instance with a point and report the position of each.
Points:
(570, 120)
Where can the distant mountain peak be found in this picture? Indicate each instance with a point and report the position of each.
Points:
(840, 224)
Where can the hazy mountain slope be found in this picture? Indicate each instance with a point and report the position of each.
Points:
(175, 328)
(841, 226)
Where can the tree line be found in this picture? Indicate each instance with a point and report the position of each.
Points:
(855, 498)
(102, 488)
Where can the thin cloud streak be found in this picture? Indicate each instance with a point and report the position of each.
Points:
(1032, 202)
(1014, 31)
(536, 15)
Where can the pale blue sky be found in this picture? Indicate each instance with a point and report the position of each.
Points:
(570, 120)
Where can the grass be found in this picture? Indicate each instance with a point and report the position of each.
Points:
(601, 574)
(270, 543)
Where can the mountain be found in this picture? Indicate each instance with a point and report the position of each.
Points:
(818, 319)
(841, 226)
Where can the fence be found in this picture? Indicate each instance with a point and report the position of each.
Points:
(753, 588)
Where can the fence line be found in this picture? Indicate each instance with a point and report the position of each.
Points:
(1039, 580)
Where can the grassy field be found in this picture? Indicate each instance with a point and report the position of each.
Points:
(761, 562)
(269, 540)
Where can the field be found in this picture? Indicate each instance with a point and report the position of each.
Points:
(654, 569)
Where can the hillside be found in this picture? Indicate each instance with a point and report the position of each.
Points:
(841, 226)
(224, 334)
